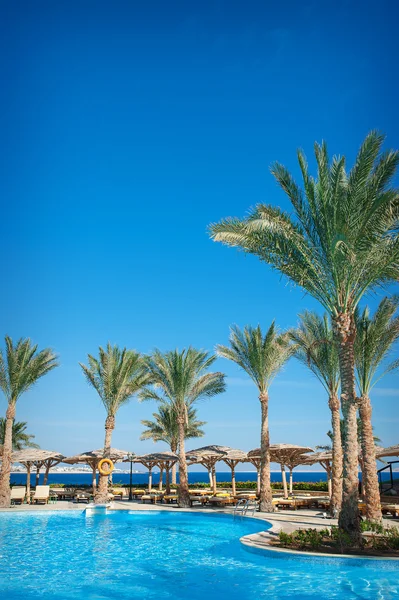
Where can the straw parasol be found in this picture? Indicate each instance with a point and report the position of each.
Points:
(232, 458)
(385, 452)
(34, 457)
(288, 455)
(208, 456)
(163, 460)
(93, 457)
(325, 460)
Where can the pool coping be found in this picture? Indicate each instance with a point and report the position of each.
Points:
(260, 541)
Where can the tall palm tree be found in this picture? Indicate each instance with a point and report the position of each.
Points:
(164, 428)
(180, 379)
(376, 336)
(316, 349)
(21, 365)
(20, 438)
(116, 375)
(339, 242)
(261, 357)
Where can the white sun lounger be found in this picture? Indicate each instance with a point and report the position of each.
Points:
(42, 494)
(18, 494)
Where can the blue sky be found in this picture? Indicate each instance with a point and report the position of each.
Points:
(126, 129)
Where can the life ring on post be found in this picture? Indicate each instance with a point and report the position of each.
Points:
(103, 463)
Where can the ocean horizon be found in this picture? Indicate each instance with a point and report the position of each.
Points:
(142, 478)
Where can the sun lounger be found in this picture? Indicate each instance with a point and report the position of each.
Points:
(169, 498)
(393, 509)
(42, 494)
(222, 499)
(18, 494)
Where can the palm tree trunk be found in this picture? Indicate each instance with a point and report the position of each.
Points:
(173, 448)
(101, 496)
(46, 472)
(370, 485)
(184, 495)
(5, 491)
(337, 456)
(349, 521)
(266, 498)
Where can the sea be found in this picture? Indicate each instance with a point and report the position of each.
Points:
(77, 479)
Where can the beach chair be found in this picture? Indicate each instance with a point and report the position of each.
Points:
(18, 494)
(42, 494)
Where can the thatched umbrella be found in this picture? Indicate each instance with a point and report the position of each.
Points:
(325, 460)
(34, 457)
(385, 452)
(208, 456)
(93, 457)
(288, 455)
(163, 460)
(232, 458)
(285, 455)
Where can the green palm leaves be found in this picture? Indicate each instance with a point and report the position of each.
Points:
(341, 240)
(376, 336)
(180, 378)
(116, 375)
(316, 348)
(164, 427)
(21, 365)
(260, 356)
(20, 439)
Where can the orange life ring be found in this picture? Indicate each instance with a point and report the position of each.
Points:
(105, 461)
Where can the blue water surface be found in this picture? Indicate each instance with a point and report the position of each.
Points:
(144, 554)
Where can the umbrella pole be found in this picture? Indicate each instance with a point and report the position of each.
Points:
(37, 475)
(94, 478)
(291, 482)
(28, 483)
(150, 479)
(167, 479)
(214, 479)
(284, 480)
(160, 478)
(233, 481)
(258, 481)
(46, 472)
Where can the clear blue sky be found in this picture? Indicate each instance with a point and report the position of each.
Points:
(127, 128)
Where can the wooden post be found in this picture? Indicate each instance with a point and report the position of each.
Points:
(150, 478)
(46, 472)
(284, 480)
(37, 474)
(94, 477)
(214, 489)
(27, 465)
(258, 480)
(161, 470)
(167, 477)
(291, 481)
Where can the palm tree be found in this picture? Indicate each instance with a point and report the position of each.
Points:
(164, 428)
(180, 379)
(340, 243)
(20, 367)
(20, 439)
(261, 357)
(316, 349)
(116, 376)
(376, 336)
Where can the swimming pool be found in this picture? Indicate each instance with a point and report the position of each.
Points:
(145, 554)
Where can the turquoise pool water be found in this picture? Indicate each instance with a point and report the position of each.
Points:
(165, 555)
